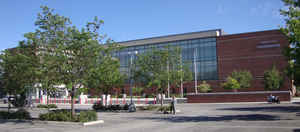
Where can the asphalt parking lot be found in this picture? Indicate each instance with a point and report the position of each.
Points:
(246, 117)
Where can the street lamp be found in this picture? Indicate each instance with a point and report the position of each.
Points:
(131, 79)
(195, 69)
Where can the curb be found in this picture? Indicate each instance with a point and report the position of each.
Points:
(56, 123)
(93, 123)
(282, 102)
(60, 123)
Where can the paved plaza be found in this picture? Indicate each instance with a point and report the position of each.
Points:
(245, 117)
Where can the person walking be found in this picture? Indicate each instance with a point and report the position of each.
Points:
(173, 103)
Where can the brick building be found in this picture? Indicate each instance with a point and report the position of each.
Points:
(216, 55)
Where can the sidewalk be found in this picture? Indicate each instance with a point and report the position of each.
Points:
(295, 99)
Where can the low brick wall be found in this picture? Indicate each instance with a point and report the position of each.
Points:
(223, 97)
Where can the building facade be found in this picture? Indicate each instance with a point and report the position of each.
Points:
(216, 55)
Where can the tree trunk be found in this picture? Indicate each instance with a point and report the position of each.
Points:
(105, 100)
(72, 101)
(9, 105)
(47, 103)
(161, 102)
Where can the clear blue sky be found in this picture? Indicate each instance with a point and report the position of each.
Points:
(136, 19)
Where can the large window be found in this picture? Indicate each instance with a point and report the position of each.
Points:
(203, 50)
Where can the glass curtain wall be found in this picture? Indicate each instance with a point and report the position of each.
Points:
(203, 49)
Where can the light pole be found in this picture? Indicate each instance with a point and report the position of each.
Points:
(131, 77)
(195, 69)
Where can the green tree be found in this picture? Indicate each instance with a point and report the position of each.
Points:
(68, 55)
(159, 68)
(272, 79)
(77, 59)
(231, 83)
(17, 73)
(178, 71)
(204, 87)
(106, 74)
(244, 78)
(151, 70)
(291, 30)
(50, 32)
(137, 90)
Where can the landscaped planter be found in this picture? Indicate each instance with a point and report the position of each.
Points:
(226, 97)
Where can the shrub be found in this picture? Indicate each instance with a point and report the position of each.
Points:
(58, 115)
(243, 78)
(47, 106)
(52, 106)
(86, 116)
(164, 108)
(101, 107)
(98, 106)
(116, 107)
(4, 115)
(149, 107)
(19, 114)
(176, 95)
(231, 83)
(126, 106)
(272, 79)
(204, 87)
(65, 115)
(149, 96)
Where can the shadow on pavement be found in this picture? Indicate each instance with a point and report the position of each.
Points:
(250, 117)
(296, 130)
(284, 109)
(2, 121)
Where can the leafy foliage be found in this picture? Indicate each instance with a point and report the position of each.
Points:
(86, 116)
(137, 90)
(243, 77)
(272, 79)
(204, 87)
(100, 107)
(231, 83)
(65, 115)
(291, 30)
(19, 114)
(46, 106)
(17, 73)
(149, 107)
(157, 67)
